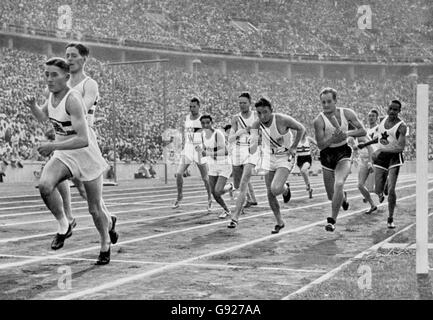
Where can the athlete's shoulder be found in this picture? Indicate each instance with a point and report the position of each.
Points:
(73, 100)
(318, 119)
(90, 83)
(74, 94)
(348, 112)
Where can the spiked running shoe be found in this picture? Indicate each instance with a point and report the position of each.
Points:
(288, 194)
(114, 236)
(345, 203)
(390, 223)
(104, 258)
(59, 239)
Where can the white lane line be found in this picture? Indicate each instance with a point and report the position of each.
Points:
(334, 271)
(257, 188)
(139, 276)
(199, 265)
(133, 195)
(150, 188)
(154, 208)
(142, 220)
(205, 226)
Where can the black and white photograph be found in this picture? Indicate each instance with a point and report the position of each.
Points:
(216, 155)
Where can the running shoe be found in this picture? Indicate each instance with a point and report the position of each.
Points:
(310, 193)
(104, 258)
(288, 194)
(176, 204)
(277, 228)
(391, 224)
(381, 198)
(232, 224)
(225, 214)
(59, 239)
(114, 236)
(345, 203)
(250, 204)
(232, 188)
(330, 226)
(371, 210)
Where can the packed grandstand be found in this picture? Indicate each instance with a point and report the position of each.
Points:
(402, 32)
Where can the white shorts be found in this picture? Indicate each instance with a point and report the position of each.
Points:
(190, 155)
(223, 170)
(272, 162)
(241, 156)
(85, 164)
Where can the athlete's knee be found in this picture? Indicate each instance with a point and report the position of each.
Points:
(277, 190)
(339, 184)
(218, 192)
(46, 187)
(95, 209)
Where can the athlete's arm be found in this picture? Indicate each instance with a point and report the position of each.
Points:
(90, 93)
(78, 119)
(312, 141)
(319, 130)
(182, 130)
(399, 145)
(254, 140)
(295, 125)
(368, 143)
(353, 119)
(40, 112)
(234, 128)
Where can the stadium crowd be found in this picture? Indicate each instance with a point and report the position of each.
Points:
(295, 27)
(138, 103)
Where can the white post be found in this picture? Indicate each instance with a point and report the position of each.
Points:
(422, 264)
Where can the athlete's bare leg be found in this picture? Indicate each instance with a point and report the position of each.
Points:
(276, 185)
(54, 172)
(179, 180)
(342, 171)
(243, 186)
(65, 193)
(362, 178)
(94, 200)
(392, 196)
(203, 172)
(217, 184)
(304, 173)
(329, 181)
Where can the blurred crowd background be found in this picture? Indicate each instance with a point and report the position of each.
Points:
(321, 29)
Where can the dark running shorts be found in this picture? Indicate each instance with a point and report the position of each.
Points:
(387, 160)
(300, 160)
(330, 157)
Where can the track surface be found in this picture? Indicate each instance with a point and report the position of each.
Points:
(186, 253)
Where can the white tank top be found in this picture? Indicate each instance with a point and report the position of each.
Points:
(371, 134)
(387, 137)
(211, 144)
(192, 131)
(273, 141)
(244, 139)
(330, 129)
(303, 149)
(60, 119)
(90, 114)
